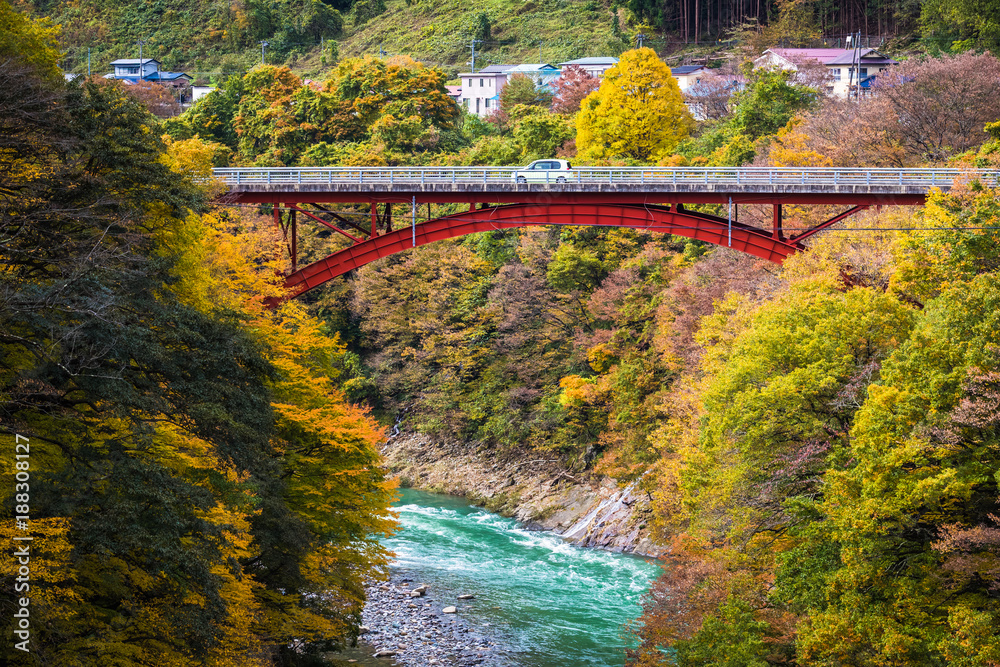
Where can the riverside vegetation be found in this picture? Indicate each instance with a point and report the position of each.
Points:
(819, 441)
(201, 492)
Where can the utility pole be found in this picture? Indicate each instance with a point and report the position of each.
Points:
(641, 36)
(539, 52)
(857, 63)
(141, 43)
(263, 45)
(474, 41)
(88, 62)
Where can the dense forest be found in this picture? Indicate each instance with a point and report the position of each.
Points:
(819, 440)
(196, 487)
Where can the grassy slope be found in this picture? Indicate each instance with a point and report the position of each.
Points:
(197, 35)
(183, 34)
(438, 32)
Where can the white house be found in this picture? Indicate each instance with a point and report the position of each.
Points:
(595, 67)
(198, 92)
(541, 73)
(845, 68)
(481, 90)
(689, 75)
(133, 68)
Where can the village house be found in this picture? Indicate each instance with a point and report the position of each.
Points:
(845, 69)
(689, 75)
(480, 91)
(132, 70)
(595, 67)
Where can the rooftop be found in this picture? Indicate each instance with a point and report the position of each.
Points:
(134, 61)
(686, 69)
(868, 56)
(591, 61)
(533, 67)
(832, 56)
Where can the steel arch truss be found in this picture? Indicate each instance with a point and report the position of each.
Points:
(770, 245)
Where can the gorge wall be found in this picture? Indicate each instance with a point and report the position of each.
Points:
(533, 488)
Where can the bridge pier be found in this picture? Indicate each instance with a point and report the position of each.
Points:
(288, 229)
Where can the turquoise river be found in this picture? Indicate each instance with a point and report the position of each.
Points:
(548, 602)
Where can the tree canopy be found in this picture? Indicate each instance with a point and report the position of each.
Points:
(201, 491)
(637, 112)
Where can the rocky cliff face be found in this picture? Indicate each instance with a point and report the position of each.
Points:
(534, 489)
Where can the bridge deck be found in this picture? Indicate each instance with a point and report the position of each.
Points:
(592, 184)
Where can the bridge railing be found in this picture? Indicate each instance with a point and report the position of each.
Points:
(922, 178)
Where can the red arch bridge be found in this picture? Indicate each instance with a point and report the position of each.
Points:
(646, 198)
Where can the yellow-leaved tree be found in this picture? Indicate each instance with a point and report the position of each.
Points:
(325, 447)
(638, 113)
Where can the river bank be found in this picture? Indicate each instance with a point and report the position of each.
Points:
(415, 625)
(469, 587)
(535, 490)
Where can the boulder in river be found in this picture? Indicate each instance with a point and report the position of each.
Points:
(449, 610)
(467, 596)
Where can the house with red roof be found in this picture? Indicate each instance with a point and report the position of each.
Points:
(845, 69)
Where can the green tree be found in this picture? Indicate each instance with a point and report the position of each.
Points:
(211, 118)
(768, 102)
(539, 133)
(33, 42)
(961, 25)
(180, 432)
(573, 269)
(522, 90)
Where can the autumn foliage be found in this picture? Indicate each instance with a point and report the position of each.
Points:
(637, 112)
(201, 490)
(572, 86)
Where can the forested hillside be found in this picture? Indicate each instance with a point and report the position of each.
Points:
(193, 485)
(819, 440)
(214, 40)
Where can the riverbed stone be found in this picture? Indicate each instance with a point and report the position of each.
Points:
(416, 634)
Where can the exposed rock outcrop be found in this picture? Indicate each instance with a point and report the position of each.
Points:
(534, 489)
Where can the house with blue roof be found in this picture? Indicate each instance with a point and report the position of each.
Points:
(133, 70)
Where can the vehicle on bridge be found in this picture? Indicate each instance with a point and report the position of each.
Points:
(543, 171)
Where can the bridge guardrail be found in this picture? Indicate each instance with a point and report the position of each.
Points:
(748, 176)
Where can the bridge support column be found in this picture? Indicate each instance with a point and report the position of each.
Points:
(777, 233)
(293, 223)
(288, 229)
(374, 232)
